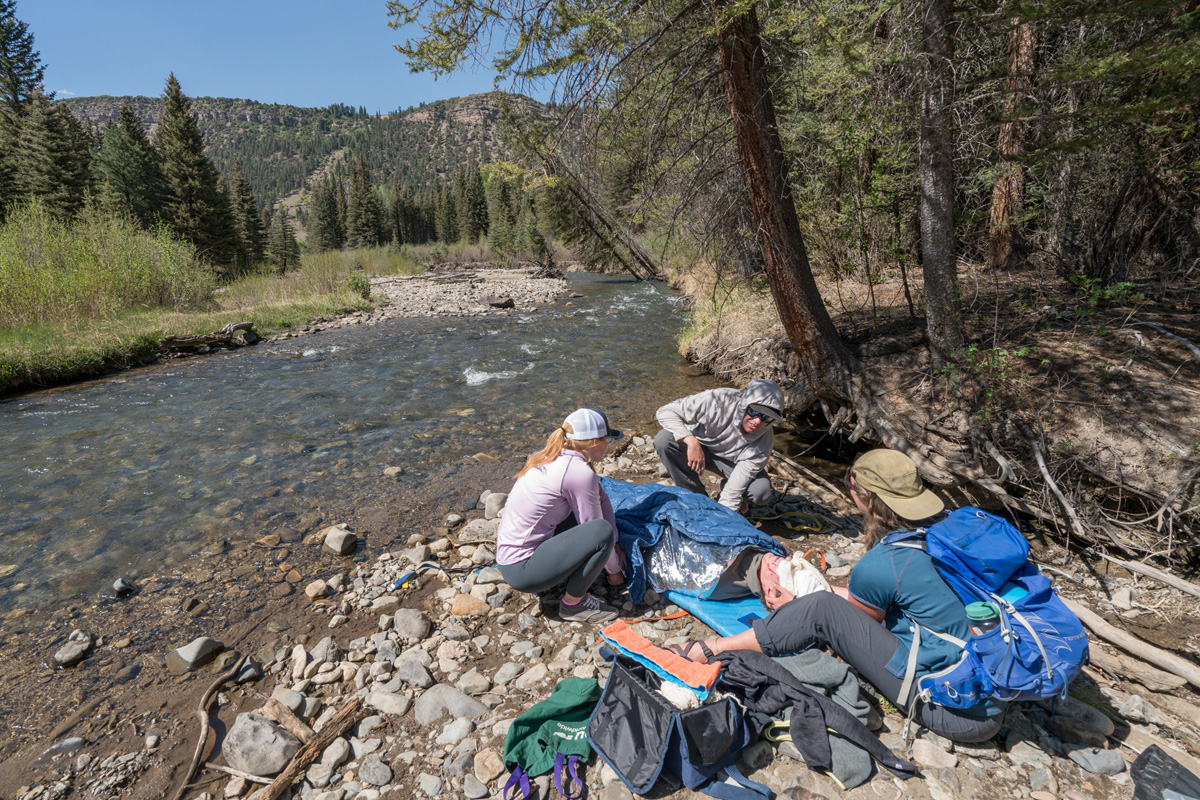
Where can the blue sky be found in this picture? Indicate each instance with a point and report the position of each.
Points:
(302, 52)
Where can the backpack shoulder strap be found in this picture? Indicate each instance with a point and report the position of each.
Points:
(902, 538)
(518, 780)
(565, 766)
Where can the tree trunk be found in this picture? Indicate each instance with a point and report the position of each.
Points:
(828, 364)
(1005, 244)
(937, 183)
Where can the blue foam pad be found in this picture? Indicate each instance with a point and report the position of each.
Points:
(726, 617)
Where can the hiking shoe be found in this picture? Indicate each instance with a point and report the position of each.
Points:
(589, 609)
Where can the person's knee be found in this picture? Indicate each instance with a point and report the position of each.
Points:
(760, 491)
(600, 534)
(664, 443)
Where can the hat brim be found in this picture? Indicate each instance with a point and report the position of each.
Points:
(924, 505)
(759, 408)
(614, 434)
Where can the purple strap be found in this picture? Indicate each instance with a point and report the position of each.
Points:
(518, 779)
(572, 763)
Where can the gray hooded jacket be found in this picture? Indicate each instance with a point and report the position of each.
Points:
(714, 417)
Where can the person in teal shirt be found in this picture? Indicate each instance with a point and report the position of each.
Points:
(891, 584)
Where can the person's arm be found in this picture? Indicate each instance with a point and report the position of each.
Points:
(587, 501)
(870, 611)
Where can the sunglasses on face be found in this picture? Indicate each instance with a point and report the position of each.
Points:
(759, 416)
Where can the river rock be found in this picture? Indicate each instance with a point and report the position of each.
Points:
(77, 646)
(488, 765)
(455, 732)
(494, 504)
(1136, 709)
(336, 753)
(386, 604)
(440, 700)
(928, 754)
(500, 302)
(195, 655)
(478, 530)
(340, 541)
(388, 703)
(317, 590)
(465, 605)
(431, 785)
(1098, 760)
(327, 650)
(409, 623)
(123, 587)
(532, 677)
(258, 745)
(413, 673)
(473, 788)
(372, 770)
(472, 683)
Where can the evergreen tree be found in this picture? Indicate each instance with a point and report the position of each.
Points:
(246, 221)
(364, 215)
(476, 212)
(197, 207)
(282, 250)
(339, 197)
(529, 236)
(127, 171)
(324, 226)
(447, 216)
(501, 228)
(20, 77)
(53, 156)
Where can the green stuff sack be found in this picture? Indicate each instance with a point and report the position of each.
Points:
(552, 735)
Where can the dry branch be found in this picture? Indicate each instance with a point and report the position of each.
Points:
(237, 773)
(1130, 643)
(350, 714)
(291, 723)
(1076, 525)
(1123, 667)
(1157, 574)
(202, 713)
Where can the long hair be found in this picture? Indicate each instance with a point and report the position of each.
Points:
(557, 442)
(878, 520)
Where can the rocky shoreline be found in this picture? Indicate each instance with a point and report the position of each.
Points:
(442, 661)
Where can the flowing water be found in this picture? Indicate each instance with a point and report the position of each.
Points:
(142, 471)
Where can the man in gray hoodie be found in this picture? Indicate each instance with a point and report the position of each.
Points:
(726, 431)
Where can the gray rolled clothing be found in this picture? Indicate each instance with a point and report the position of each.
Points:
(576, 555)
(673, 454)
(715, 418)
(823, 619)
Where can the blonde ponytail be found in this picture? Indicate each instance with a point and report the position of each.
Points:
(557, 442)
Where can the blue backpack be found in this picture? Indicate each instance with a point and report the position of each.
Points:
(1039, 646)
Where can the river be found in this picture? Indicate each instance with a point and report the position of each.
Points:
(153, 469)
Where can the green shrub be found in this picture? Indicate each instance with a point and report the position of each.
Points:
(360, 284)
(53, 270)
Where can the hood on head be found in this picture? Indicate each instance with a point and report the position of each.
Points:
(763, 392)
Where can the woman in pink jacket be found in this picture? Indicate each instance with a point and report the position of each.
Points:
(558, 524)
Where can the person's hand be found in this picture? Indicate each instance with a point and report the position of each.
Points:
(622, 559)
(695, 455)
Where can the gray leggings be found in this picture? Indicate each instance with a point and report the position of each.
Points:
(673, 455)
(575, 555)
(823, 618)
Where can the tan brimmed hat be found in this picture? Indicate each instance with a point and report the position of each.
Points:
(893, 477)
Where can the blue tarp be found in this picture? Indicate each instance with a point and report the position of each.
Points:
(645, 511)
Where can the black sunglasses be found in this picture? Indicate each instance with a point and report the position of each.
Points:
(759, 415)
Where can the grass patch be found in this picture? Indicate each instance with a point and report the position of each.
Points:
(731, 308)
(50, 349)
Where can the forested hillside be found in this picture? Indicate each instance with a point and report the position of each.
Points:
(280, 146)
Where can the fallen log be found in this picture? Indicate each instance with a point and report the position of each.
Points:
(1125, 667)
(1157, 574)
(350, 714)
(223, 336)
(1130, 643)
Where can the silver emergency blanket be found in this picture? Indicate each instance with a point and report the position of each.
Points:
(680, 563)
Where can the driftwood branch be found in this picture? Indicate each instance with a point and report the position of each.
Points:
(1157, 574)
(290, 722)
(350, 714)
(202, 714)
(1193, 348)
(237, 773)
(1076, 525)
(223, 336)
(1130, 643)
(1122, 666)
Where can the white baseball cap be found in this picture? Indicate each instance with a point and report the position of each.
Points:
(588, 423)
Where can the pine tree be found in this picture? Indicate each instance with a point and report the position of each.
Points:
(20, 77)
(501, 228)
(282, 250)
(53, 155)
(127, 171)
(197, 208)
(324, 228)
(364, 215)
(476, 212)
(246, 220)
